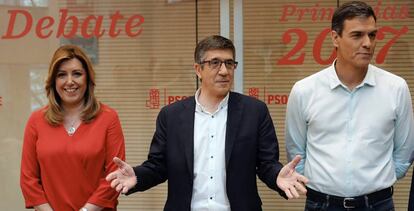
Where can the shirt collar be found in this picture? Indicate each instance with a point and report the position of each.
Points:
(200, 107)
(335, 82)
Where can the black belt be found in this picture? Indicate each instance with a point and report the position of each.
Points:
(351, 202)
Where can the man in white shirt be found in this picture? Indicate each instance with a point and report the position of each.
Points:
(352, 122)
(211, 146)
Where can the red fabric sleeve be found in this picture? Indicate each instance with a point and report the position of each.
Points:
(104, 195)
(30, 182)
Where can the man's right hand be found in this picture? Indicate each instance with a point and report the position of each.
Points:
(123, 178)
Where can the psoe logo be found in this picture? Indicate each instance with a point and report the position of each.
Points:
(154, 98)
(268, 98)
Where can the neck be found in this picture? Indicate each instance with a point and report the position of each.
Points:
(73, 111)
(209, 102)
(349, 75)
(72, 118)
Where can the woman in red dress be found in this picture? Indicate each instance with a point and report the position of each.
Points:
(69, 144)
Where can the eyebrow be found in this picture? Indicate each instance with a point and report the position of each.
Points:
(363, 32)
(221, 59)
(75, 70)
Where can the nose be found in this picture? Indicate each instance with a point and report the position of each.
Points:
(367, 42)
(223, 69)
(70, 79)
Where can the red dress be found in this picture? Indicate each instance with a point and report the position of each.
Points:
(69, 171)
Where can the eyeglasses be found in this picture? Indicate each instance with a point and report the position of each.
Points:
(215, 64)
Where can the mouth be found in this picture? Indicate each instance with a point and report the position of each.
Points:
(365, 54)
(70, 90)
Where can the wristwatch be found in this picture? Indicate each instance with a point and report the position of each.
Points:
(84, 209)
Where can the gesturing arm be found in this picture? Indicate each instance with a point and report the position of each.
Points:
(123, 179)
(150, 173)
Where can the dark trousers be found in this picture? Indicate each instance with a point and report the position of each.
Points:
(411, 202)
(317, 201)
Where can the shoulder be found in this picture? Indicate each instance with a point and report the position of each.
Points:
(38, 114)
(106, 112)
(313, 79)
(311, 84)
(107, 109)
(248, 101)
(244, 98)
(37, 118)
(386, 77)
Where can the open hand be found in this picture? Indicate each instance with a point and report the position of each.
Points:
(123, 178)
(290, 181)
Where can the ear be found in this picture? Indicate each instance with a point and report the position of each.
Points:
(198, 68)
(335, 37)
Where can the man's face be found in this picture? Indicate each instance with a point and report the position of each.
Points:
(218, 81)
(356, 46)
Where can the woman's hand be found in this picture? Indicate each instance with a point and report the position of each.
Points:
(91, 207)
(43, 207)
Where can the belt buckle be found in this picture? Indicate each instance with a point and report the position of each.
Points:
(345, 203)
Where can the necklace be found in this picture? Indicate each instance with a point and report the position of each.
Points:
(71, 130)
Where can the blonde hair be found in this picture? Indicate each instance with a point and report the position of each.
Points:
(54, 112)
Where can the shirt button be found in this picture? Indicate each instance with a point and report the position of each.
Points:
(212, 117)
(211, 197)
(212, 136)
(211, 156)
(211, 177)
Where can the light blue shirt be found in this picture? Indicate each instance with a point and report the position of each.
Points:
(353, 142)
(209, 185)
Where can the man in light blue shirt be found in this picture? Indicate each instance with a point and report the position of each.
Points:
(351, 122)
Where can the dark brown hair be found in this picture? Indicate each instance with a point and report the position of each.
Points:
(211, 43)
(348, 11)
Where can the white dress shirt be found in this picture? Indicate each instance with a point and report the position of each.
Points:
(353, 142)
(209, 185)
